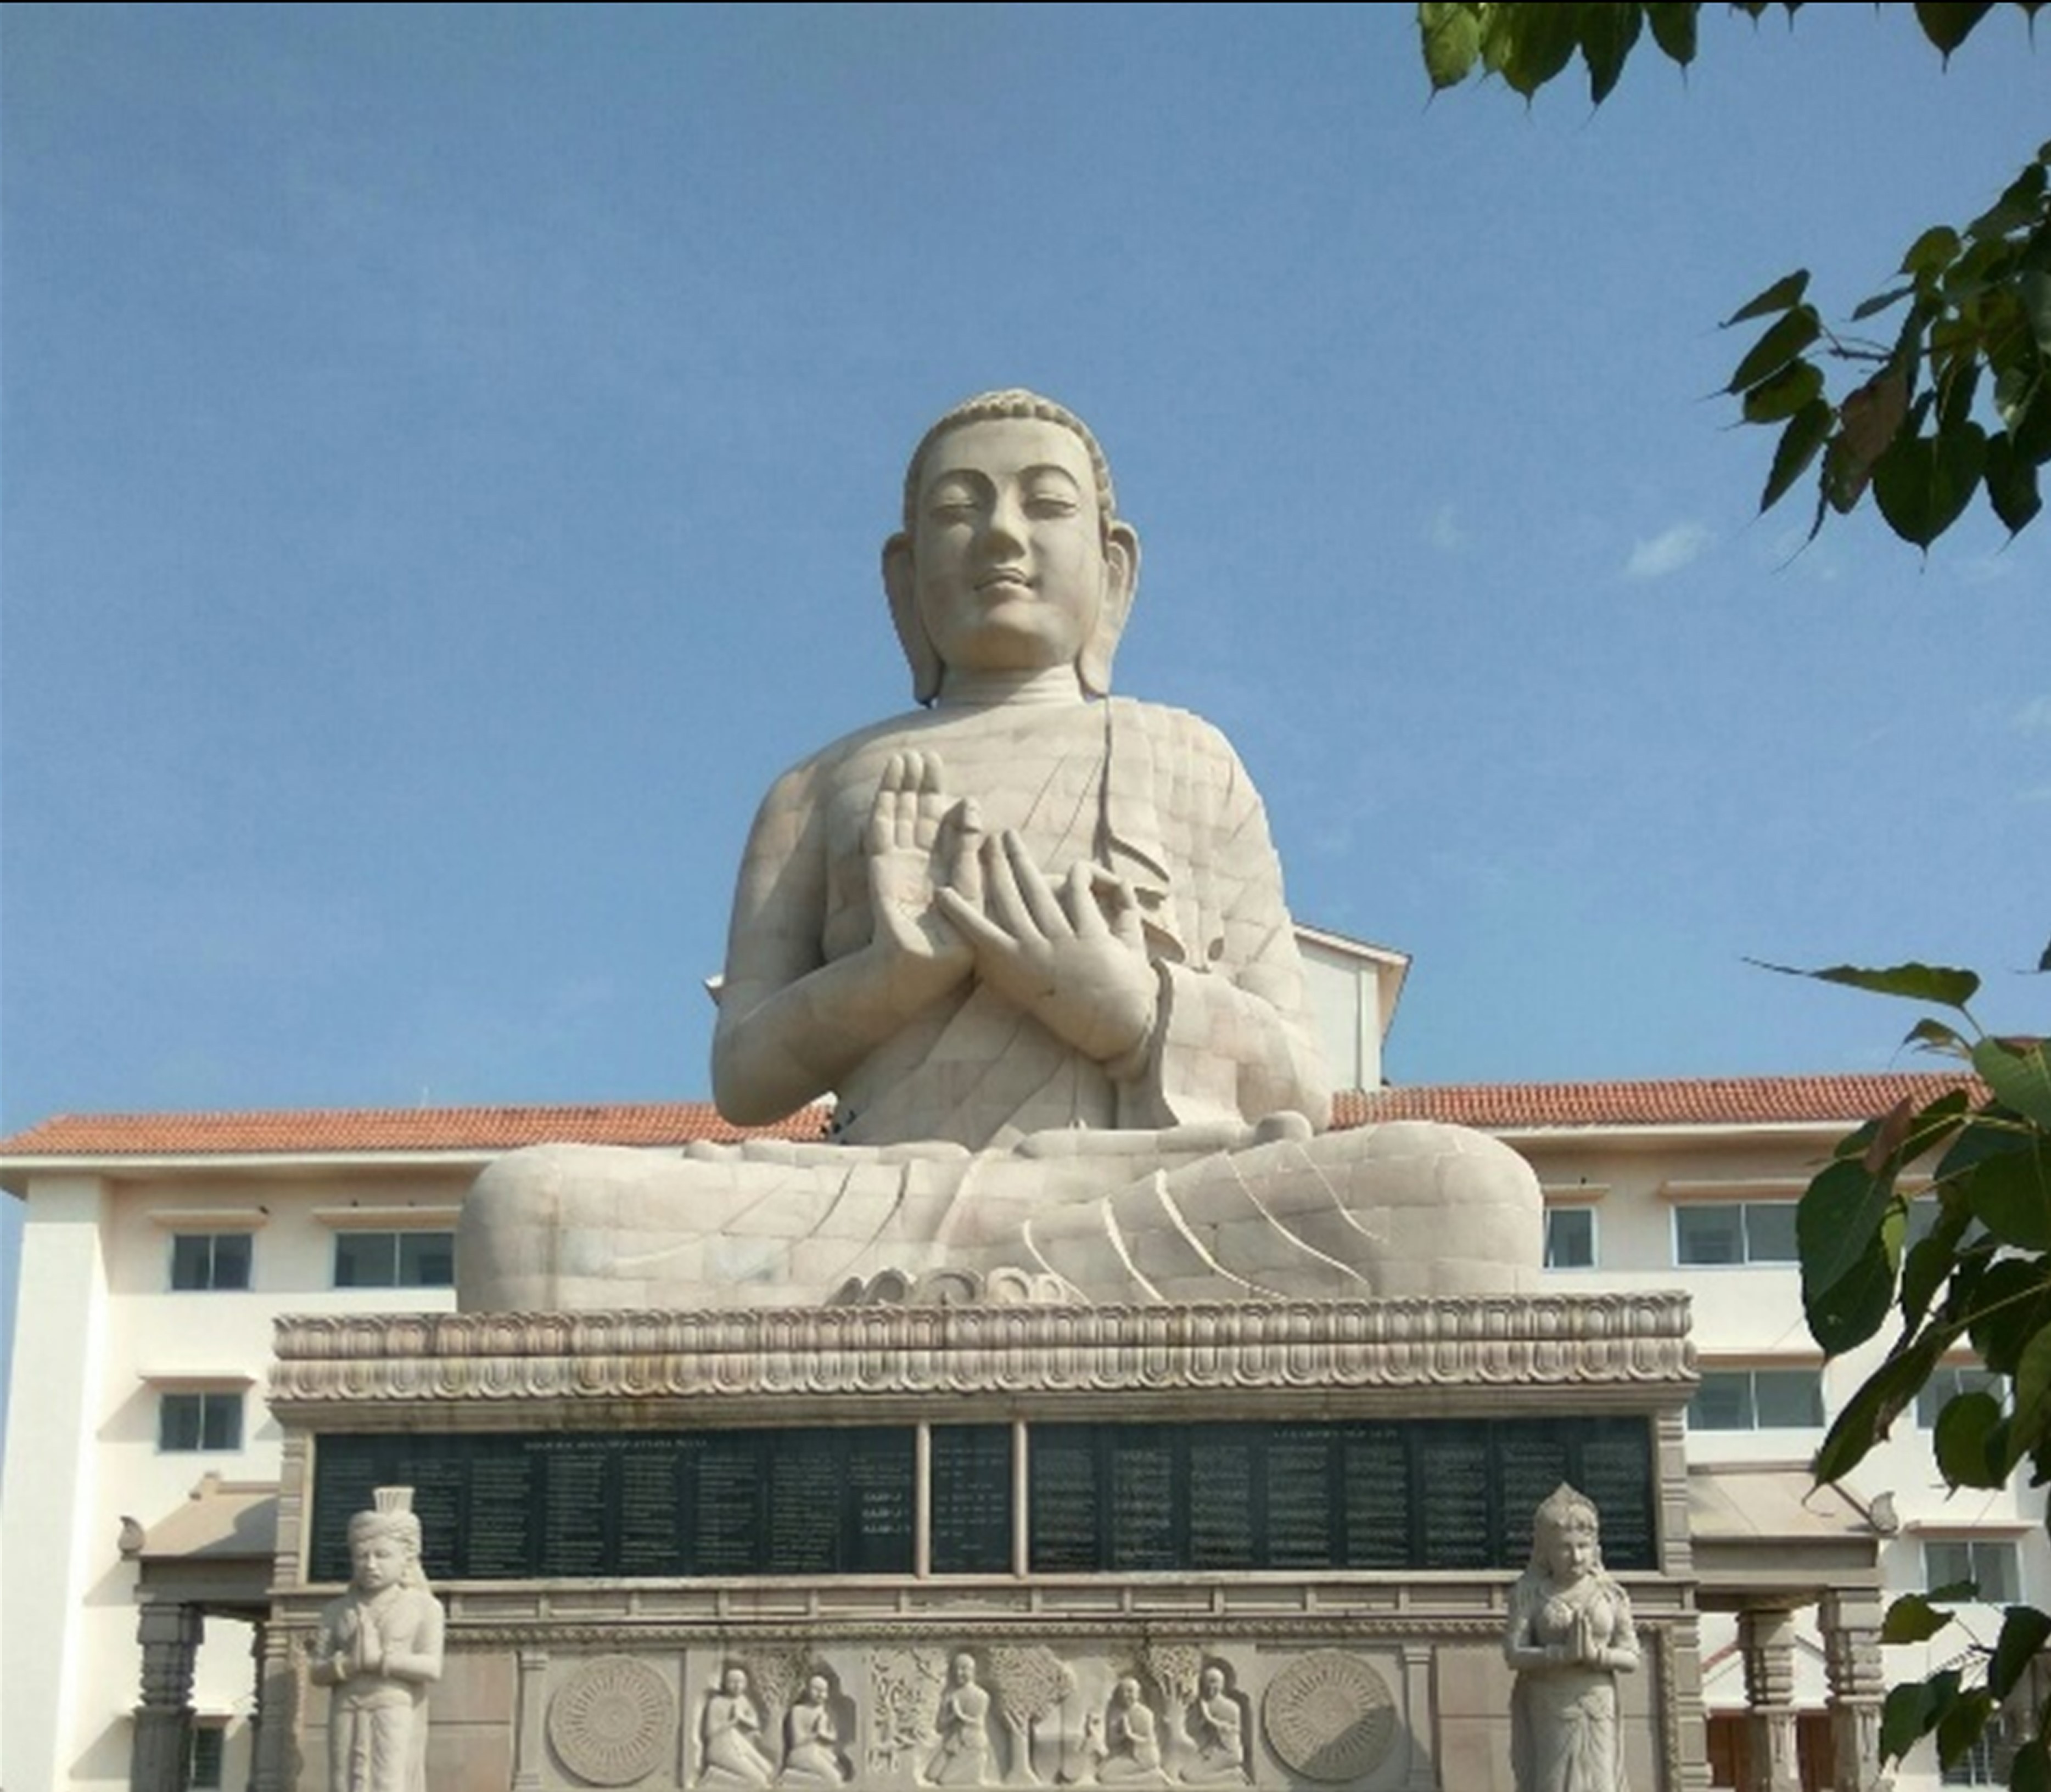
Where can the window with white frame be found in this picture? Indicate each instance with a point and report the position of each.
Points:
(394, 1259)
(211, 1260)
(1734, 1231)
(199, 1418)
(1991, 1564)
(1570, 1238)
(1756, 1399)
(1946, 1381)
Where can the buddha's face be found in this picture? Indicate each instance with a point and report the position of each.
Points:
(1008, 558)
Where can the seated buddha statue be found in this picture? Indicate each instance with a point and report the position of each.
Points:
(1030, 939)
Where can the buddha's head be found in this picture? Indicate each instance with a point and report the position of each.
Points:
(1012, 559)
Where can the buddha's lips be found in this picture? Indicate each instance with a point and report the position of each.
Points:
(1003, 581)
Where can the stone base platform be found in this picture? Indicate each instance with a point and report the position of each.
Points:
(1264, 1544)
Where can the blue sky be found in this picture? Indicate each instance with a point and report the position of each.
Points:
(446, 450)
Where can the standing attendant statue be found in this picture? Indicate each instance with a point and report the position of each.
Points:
(379, 1648)
(962, 1721)
(1030, 937)
(1569, 1636)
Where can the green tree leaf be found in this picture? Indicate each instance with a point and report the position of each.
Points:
(2011, 1195)
(1934, 1035)
(1959, 1727)
(2031, 1422)
(1912, 1711)
(1923, 484)
(1805, 433)
(1948, 23)
(2018, 1070)
(1781, 395)
(1847, 1271)
(1784, 292)
(1919, 983)
(2011, 485)
(2024, 1630)
(1452, 43)
(1674, 29)
(1785, 338)
(1607, 32)
(1912, 1619)
(1964, 1428)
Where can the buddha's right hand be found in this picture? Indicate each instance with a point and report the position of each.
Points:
(918, 842)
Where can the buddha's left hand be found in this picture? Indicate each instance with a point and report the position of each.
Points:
(1081, 972)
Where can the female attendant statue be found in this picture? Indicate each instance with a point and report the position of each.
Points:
(1569, 1636)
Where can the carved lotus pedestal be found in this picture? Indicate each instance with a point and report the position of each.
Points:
(1263, 1544)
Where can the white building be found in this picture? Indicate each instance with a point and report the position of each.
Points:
(158, 1248)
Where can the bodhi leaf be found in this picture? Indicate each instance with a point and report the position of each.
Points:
(1959, 1726)
(2032, 1417)
(1912, 1619)
(1865, 1418)
(1785, 291)
(1607, 34)
(1784, 340)
(2011, 485)
(1674, 29)
(1847, 1267)
(1934, 1035)
(2010, 1194)
(1912, 1710)
(2018, 1070)
(1781, 395)
(1962, 1441)
(1948, 23)
(1923, 484)
(1919, 983)
(1452, 42)
(1805, 432)
(2024, 1630)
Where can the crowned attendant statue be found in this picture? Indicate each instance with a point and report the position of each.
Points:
(379, 1647)
(1030, 938)
(1569, 1636)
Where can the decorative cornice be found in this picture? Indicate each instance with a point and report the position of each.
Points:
(1631, 1346)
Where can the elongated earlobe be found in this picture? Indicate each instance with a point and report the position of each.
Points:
(1121, 582)
(902, 589)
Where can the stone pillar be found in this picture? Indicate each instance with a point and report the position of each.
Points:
(528, 1745)
(280, 1697)
(1419, 1717)
(257, 1630)
(161, 1753)
(1851, 1619)
(1766, 1636)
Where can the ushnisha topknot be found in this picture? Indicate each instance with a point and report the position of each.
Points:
(991, 407)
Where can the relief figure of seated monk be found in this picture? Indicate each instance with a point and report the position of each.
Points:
(1031, 938)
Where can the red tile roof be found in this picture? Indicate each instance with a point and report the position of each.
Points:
(1491, 1106)
(1727, 1101)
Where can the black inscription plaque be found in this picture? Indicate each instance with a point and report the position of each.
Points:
(1063, 1507)
(1453, 1530)
(971, 1499)
(1299, 1473)
(1143, 1498)
(1383, 1496)
(1375, 1496)
(1222, 1529)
